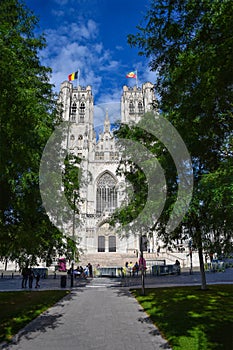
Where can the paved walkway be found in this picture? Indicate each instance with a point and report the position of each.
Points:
(98, 315)
(7, 283)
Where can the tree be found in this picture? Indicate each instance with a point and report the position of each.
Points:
(190, 46)
(71, 182)
(27, 118)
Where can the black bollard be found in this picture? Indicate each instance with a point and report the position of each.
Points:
(63, 281)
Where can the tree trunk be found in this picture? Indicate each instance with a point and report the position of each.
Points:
(201, 261)
(142, 266)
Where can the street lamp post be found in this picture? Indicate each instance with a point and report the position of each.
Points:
(191, 256)
(141, 265)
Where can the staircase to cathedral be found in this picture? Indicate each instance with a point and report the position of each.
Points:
(107, 259)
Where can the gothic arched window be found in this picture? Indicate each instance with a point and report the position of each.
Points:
(131, 107)
(111, 243)
(106, 194)
(101, 244)
(82, 112)
(73, 112)
(82, 108)
(140, 107)
(74, 108)
(80, 142)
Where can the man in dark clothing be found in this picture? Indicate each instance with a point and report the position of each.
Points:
(31, 276)
(25, 273)
(90, 270)
(37, 280)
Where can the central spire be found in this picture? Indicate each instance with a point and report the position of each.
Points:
(107, 122)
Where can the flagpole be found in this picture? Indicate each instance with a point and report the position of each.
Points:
(136, 78)
(78, 77)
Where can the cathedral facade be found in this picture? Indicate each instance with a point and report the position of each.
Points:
(101, 192)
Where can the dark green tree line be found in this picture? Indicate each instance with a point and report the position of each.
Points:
(190, 47)
(27, 118)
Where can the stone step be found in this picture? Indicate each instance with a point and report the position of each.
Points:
(107, 259)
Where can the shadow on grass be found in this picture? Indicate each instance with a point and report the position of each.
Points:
(28, 309)
(191, 318)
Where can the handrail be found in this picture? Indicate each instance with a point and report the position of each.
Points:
(163, 255)
(174, 257)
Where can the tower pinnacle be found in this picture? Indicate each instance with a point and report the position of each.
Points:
(106, 122)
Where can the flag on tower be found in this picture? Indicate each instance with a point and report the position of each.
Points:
(73, 76)
(132, 74)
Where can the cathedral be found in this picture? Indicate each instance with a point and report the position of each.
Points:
(101, 193)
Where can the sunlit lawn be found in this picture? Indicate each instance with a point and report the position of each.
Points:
(18, 308)
(192, 319)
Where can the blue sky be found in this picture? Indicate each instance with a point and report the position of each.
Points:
(91, 36)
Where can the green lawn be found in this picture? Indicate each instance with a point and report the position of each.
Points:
(192, 319)
(18, 308)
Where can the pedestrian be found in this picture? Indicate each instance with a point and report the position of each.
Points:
(142, 264)
(90, 270)
(30, 277)
(177, 265)
(25, 274)
(86, 271)
(135, 269)
(130, 268)
(37, 280)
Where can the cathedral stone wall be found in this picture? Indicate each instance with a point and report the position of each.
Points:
(102, 193)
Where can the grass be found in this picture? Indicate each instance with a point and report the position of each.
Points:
(17, 309)
(190, 318)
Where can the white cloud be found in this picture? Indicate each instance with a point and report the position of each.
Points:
(75, 46)
(61, 2)
(58, 13)
(110, 107)
(81, 31)
(120, 48)
(112, 65)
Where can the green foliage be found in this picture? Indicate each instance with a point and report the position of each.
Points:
(217, 208)
(71, 180)
(27, 118)
(190, 46)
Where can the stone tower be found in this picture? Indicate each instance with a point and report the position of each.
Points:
(136, 101)
(78, 108)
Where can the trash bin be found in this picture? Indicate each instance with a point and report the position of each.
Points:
(63, 281)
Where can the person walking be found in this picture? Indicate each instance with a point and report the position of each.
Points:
(30, 278)
(37, 280)
(90, 270)
(25, 274)
(86, 271)
(135, 269)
